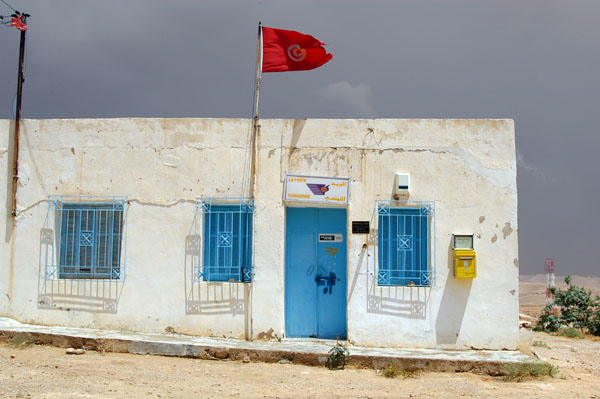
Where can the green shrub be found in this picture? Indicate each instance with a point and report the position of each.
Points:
(411, 373)
(21, 340)
(573, 308)
(392, 371)
(528, 371)
(541, 344)
(548, 321)
(570, 333)
(594, 323)
(337, 356)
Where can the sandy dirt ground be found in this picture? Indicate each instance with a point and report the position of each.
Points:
(30, 371)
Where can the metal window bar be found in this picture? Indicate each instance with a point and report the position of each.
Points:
(405, 243)
(224, 252)
(90, 238)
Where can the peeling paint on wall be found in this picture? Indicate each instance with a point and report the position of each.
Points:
(172, 161)
(507, 230)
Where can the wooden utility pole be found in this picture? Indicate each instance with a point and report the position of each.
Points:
(20, 80)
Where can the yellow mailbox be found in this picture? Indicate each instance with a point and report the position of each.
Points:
(465, 265)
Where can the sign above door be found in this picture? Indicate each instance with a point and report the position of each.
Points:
(316, 189)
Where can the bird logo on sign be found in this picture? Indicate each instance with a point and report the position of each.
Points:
(318, 189)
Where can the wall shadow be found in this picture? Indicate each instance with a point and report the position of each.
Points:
(206, 298)
(363, 258)
(297, 131)
(409, 302)
(216, 298)
(91, 296)
(285, 158)
(405, 302)
(397, 301)
(452, 306)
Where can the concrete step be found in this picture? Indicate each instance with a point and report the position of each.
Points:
(297, 351)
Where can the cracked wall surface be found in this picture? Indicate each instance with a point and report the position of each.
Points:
(467, 167)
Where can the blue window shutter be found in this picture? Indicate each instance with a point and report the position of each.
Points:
(403, 247)
(227, 243)
(90, 245)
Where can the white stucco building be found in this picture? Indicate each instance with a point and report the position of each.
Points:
(149, 224)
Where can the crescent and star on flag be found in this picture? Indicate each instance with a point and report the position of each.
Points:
(281, 50)
(288, 50)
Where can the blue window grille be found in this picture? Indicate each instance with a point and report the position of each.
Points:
(405, 247)
(226, 240)
(89, 238)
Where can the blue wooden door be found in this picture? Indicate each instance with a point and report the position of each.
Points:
(316, 267)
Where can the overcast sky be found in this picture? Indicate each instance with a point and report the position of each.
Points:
(535, 61)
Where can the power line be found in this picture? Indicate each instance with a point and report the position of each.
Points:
(6, 19)
(9, 6)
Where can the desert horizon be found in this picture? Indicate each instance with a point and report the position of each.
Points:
(532, 290)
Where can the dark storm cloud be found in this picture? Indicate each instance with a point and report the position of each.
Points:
(535, 61)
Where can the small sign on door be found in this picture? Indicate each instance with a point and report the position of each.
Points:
(331, 238)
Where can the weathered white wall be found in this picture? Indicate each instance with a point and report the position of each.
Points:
(466, 166)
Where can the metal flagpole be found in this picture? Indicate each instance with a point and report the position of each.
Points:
(255, 136)
(256, 124)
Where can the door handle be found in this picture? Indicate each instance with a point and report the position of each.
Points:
(330, 281)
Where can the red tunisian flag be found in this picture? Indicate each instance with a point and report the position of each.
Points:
(288, 50)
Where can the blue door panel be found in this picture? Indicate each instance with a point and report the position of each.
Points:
(303, 318)
(315, 273)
